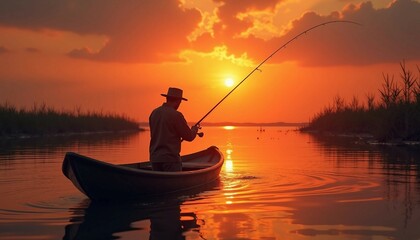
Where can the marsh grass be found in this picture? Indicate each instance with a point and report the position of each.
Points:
(395, 116)
(44, 120)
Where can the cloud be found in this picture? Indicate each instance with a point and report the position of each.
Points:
(219, 53)
(161, 30)
(388, 35)
(32, 50)
(82, 53)
(229, 13)
(138, 31)
(3, 50)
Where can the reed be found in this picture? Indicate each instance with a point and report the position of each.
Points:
(41, 119)
(395, 117)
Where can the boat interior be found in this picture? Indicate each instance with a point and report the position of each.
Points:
(189, 163)
(186, 166)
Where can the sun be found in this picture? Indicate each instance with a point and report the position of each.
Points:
(229, 82)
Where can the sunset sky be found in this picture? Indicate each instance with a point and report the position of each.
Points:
(119, 56)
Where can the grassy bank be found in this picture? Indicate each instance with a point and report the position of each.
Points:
(44, 120)
(395, 115)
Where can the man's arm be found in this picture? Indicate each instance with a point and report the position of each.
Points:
(184, 130)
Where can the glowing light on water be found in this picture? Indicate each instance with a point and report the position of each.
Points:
(229, 166)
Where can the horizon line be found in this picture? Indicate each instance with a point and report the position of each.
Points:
(230, 123)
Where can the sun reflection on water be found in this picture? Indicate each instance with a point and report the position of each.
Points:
(229, 162)
(228, 127)
(229, 165)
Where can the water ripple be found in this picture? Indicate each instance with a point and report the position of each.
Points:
(251, 190)
(56, 210)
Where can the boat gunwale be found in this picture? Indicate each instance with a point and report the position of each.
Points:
(127, 169)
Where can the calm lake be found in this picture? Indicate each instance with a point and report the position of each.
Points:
(276, 183)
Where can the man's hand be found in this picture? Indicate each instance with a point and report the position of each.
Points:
(195, 129)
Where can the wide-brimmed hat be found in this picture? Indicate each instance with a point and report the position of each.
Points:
(174, 93)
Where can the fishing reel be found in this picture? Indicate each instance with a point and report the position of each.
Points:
(200, 134)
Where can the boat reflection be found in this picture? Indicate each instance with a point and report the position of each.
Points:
(107, 220)
(111, 220)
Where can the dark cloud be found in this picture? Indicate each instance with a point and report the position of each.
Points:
(3, 50)
(32, 50)
(230, 25)
(388, 35)
(156, 31)
(138, 31)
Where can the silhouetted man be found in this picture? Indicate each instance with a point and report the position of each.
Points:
(168, 128)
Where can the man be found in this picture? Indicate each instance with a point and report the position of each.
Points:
(168, 128)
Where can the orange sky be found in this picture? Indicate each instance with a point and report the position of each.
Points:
(119, 56)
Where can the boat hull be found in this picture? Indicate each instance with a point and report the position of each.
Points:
(103, 181)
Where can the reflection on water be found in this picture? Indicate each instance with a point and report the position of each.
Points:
(109, 220)
(276, 184)
(162, 219)
(398, 166)
(41, 147)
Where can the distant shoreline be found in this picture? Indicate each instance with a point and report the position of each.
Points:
(242, 124)
(68, 134)
(251, 124)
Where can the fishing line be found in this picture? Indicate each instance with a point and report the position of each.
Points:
(257, 68)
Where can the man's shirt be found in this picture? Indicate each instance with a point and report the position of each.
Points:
(168, 128)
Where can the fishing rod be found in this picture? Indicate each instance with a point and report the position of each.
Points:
(270, 56)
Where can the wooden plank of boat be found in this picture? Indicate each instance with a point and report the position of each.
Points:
(104, 181)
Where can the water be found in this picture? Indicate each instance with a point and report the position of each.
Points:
(275, 184)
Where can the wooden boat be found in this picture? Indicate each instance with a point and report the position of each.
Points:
(104, 181)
